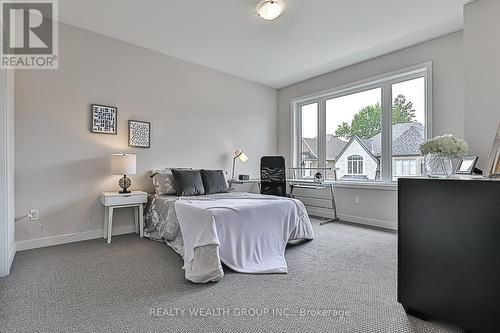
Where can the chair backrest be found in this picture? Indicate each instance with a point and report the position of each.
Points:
(273, 175)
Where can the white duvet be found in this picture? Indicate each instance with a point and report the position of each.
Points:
(251, 231)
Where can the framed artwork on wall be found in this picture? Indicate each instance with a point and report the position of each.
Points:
(139, 134)
(103, 119)
(493, 163)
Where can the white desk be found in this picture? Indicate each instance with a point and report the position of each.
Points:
(113, 200)
(317, 186)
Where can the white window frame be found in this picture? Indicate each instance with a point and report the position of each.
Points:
(385, 82)
(306, 173)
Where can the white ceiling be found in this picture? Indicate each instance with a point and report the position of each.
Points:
(312, 37)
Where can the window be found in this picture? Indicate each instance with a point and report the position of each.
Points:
(355, 165)
(352, 121)
(368, 131)
(408, 126)
(308, 139)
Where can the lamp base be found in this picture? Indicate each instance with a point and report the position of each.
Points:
(125, 183)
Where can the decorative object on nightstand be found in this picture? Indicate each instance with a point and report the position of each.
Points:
(114, 200)
(103, 119)
(123, 164)
(439, 154)
(241, 155)
(139, 134)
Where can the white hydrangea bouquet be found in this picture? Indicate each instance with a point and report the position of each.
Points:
(440, 152)
(446, 146)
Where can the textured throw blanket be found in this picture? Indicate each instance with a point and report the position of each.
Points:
(251, 230)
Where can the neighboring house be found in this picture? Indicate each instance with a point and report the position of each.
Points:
(359, 159)
(334, 146)
(406, 157)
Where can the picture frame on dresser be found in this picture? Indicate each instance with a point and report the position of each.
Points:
(492, 168)
(466, 165)
(103, 119)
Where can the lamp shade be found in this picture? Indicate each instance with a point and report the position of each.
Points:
(241, 155)
(123, 164)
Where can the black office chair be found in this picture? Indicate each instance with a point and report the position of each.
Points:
(273, 175)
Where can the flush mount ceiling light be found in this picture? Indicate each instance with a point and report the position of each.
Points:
(270, 9)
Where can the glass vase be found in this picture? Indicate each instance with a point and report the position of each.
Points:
(437, 166)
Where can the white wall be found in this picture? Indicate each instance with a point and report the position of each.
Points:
(7, 196)
(377, 206)
(199, 117)
(482, 72)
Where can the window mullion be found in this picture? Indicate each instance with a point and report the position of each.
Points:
(386, 158)
(298, 136)
(322, 135)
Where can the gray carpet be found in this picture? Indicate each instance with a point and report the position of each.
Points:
(94, 287)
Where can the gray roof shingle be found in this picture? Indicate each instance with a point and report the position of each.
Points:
(406, 140)
(334, 146)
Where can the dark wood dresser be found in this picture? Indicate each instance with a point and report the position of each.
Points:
(449, 251)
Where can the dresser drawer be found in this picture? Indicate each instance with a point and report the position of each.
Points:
(123, 199)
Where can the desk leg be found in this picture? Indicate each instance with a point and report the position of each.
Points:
(110, 223)
(334, 208)
(141, 220)
(105, 231)
(136, 219)
(334, 205)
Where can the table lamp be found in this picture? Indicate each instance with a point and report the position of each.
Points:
(241, 155)
(123, 164)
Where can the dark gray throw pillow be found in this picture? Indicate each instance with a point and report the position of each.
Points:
(188, 182)
(214, 181)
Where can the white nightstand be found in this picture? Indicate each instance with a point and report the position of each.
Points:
(112, 200)
(231, 182)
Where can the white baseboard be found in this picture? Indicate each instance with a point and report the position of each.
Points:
(324, 212)
(369, 221)
(70, 238)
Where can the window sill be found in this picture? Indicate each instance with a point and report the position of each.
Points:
(392, 186)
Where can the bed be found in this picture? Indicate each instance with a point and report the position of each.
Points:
(247, 232)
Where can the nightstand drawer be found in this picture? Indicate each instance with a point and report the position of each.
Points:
(124, 199)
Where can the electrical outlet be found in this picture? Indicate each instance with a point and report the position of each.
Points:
(34, 214)
(356, 199)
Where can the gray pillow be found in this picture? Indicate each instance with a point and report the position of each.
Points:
(163, 181)
(188, 182)
(214, 181)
